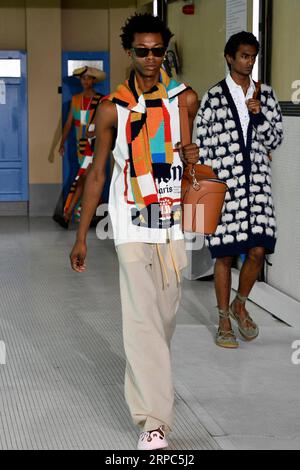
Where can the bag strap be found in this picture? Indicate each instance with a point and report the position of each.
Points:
(184, 119)
(257, 89)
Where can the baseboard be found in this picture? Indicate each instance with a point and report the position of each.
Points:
(43, 199)
(13, 208)
(273, 301)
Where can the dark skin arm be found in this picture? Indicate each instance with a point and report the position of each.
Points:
(106, 121)
(190, 153)
(66, 130)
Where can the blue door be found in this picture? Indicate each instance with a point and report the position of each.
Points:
(13, 127)
(70, 87)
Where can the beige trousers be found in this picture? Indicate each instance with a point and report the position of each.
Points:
(150, 277)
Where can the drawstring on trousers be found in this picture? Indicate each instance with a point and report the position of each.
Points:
(163, 266)
(174, 263)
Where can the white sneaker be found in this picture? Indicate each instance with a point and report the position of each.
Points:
(151, 440)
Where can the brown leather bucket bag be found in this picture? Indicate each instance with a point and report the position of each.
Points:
(202, 193)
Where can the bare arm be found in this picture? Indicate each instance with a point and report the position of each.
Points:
(66, 130)
(193, 105)
(191, 151)
(106, 121)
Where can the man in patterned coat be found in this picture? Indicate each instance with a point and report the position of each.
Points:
(238, 125)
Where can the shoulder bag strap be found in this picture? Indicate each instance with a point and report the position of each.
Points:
(184, 119)
(257, 89)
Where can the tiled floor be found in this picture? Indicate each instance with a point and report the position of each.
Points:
(62, 384)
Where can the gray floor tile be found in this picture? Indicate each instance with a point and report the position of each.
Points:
(62, 385)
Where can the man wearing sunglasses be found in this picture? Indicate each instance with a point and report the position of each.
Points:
(144, 205)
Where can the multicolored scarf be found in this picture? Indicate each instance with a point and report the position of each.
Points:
(148, 132)
(90, 113)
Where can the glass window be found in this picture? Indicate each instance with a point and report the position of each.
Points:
(10, 68)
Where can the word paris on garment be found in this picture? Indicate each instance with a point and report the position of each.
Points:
(151, 459)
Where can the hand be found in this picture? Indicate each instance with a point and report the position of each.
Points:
(189, 154)
(253, 106)
(61, 150)
(77, 257)
(90, 134)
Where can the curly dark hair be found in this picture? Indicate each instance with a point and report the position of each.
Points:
(236, 40)
(143, 23)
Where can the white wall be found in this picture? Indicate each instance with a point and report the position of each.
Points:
(284, 275)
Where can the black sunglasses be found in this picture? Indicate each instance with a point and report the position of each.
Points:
(143, 52)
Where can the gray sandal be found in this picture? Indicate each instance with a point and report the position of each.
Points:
(226, 339)
(248, 332)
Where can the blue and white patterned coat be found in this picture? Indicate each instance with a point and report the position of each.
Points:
(248, 217)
